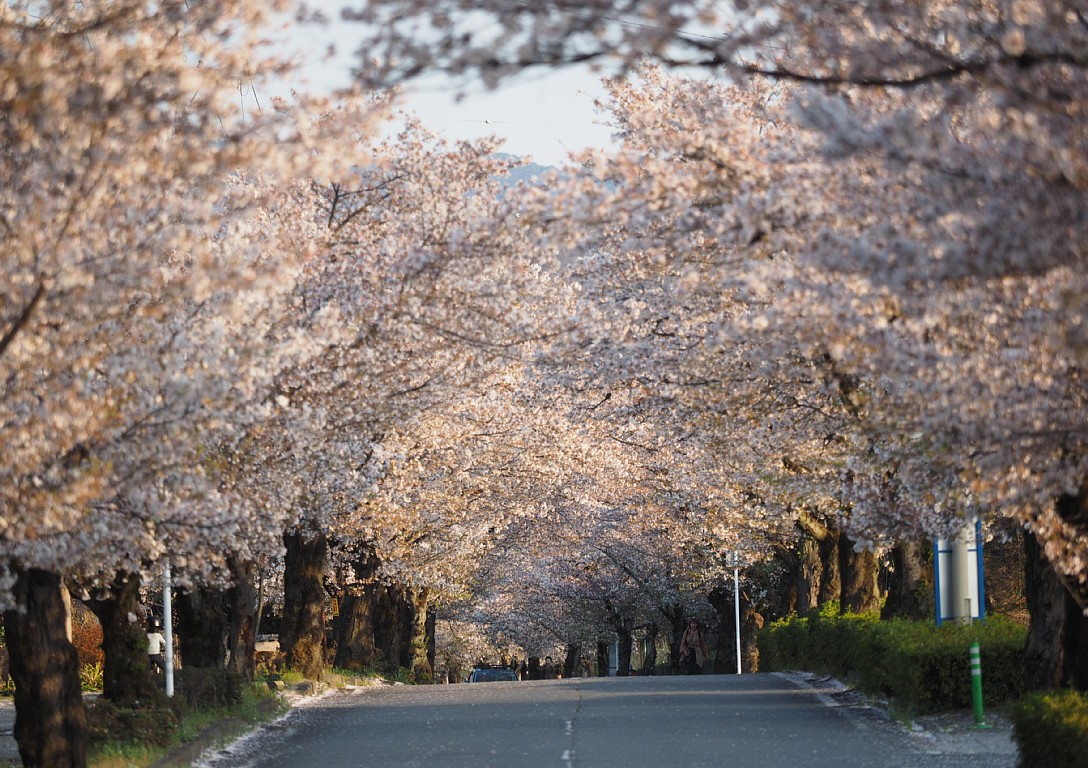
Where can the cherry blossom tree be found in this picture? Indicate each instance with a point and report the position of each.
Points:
(423, 285)
(118, 134)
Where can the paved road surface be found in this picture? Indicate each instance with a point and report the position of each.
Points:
(748, 721)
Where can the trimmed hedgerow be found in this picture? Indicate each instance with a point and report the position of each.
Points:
(924, 667)
(1052, 729)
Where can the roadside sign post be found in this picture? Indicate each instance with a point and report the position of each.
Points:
(958, 580)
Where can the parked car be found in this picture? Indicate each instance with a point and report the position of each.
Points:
(492, 675)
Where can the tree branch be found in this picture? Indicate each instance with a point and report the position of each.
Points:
(23, 318)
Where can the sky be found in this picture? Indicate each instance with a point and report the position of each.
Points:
(540, 114)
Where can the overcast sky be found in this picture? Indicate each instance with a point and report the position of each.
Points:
(540, 114)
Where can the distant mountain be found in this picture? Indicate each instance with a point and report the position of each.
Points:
(527, 173)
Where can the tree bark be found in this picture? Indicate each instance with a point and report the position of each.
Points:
(243, 606)
(1056, 651)
(808, 575)
(626, 641)
(829, 583)
(378, 621)
(749, 634)
(721, 598)
(202, 627)
(678, 622)
(127, 677)
(649, 664)
(830, 572)
(860, 578)
(910, 591)
(302, 634)
(625, 637)
(420, 642)
(573, 660)
(602, 659)
(50, 719)
(431, 627)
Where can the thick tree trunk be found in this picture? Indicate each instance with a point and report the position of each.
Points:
(626, 640)
(602, 659)
(1056, 652)
(127, 677)
(242, 633)
(860, 578)
(749, 634)
(302, 634)
(355, 647)
(649, 664)
(50, 719)
(678, 622)
(573, 660)
(808, 575)
(431, 627)
(910, 592)
(420, 642)
(378, 622)
(828, 585)
(830, 571)
(202, 627)
(725, 647)
(624, 636)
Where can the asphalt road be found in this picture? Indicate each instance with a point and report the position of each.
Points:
(673, 722)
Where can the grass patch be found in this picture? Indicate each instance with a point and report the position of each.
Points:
(255, 705)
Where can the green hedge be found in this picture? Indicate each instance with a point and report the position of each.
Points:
(1052, 730)
(926, 668)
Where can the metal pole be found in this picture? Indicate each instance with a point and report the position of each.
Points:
(736, 601)
(168, 630)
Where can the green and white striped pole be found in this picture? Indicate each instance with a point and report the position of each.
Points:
(976, 684)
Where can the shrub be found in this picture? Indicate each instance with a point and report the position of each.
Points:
(1052, 729)
(87, 637)
(91, 677)
(206, 688)
(145, 725)
(924, 667)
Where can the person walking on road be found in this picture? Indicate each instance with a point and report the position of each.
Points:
(693, 650)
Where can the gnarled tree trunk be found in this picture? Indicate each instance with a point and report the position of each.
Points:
(910, 590)
(624, 636)
(860, 578)
(573, 662)
(678, 622)
(602, 659)
(1056, 652)
(377, 625)
(242, 634)
(201, 622)
(825, 582)
(127, 677)
(302, 634)
(725, 651)
(649, 664)
(421, 642)
(808, 575)
(50, 719)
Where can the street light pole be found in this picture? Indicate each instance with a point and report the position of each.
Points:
(736, 601)
(168, 630)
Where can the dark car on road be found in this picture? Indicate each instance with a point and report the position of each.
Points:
(492, 675)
